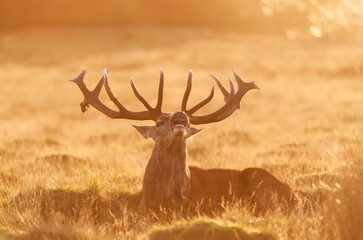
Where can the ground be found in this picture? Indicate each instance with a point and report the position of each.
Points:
(69, 175)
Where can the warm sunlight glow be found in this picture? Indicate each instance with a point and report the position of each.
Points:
(280, 154)
(316, 18)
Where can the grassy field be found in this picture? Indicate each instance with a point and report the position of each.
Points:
(68, 175)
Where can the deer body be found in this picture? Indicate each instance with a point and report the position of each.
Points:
(168, 180)
(170, 183)
(254, 186)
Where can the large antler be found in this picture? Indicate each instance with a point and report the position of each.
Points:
(232, 100)
(92, 98)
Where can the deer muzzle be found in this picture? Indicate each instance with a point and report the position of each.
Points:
(179, 123)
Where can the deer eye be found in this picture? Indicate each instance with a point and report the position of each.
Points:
(159, 124)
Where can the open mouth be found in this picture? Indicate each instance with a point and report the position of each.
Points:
(178, 123)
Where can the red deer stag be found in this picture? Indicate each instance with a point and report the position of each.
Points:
(168, 181)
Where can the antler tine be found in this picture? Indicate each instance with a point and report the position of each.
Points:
(187, 92)
(221, 87)
(160, 92)
(186, 97)
(88, 95)
(232, 101)
(243, 88)
(92, 98)
(202, 103)
(82, 86)
(213, 117)
(137, 94)
(110, 93)
(79, 81)
(157, 110)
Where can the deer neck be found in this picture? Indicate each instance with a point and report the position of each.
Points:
(168, 170)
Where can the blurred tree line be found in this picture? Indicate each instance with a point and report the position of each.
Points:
(263, 16)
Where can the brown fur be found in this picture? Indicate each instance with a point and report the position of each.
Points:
(167, 176)
(170, 183)
(256, 186)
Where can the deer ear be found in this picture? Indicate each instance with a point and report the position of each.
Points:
(146, 131)
(193, 131)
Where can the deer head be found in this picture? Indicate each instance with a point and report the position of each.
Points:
(167, 175)
(169, 126)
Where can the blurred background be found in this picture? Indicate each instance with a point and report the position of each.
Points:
(298, 18)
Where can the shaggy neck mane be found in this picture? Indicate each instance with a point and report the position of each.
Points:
(167, 178)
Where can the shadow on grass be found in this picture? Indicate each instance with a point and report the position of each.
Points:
(76, 205)
(64, 234)
(207, 230)
(88, 203)
(62, 161)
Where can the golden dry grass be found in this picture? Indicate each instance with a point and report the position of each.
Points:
(68, 175)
